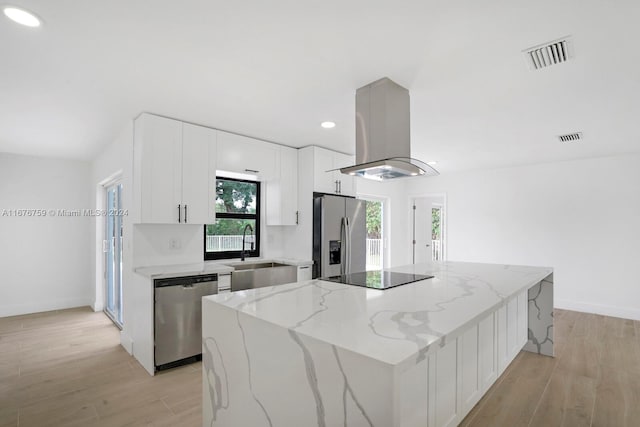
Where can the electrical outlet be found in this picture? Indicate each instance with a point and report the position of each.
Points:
(174, 244)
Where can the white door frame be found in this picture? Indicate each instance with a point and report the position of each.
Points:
(443, 220)
(386, 224)
(101, 280)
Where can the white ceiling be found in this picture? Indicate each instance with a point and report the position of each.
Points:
(276, 69)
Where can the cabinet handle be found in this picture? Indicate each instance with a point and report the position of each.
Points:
(251, 170)
(303, 268)
(297, 217)
(337, 191)
(179, 214)
(340, 186)
(185, 214)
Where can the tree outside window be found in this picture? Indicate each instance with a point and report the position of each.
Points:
(237, 205)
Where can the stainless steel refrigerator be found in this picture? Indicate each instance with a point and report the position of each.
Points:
(339, 235)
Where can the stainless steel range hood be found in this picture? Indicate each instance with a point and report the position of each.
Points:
(382, 134)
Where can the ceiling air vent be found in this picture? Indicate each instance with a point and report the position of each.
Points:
(571, 137)
(548, 54)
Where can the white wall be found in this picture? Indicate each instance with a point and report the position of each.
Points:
(580, 217)
(44, 260)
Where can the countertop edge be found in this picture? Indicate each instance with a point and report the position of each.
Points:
(180, 270)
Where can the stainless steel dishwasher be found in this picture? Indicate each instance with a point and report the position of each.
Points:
(178, 318)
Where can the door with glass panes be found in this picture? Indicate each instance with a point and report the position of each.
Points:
(112, 247)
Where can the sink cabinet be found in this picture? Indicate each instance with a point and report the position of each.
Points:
(262, 275)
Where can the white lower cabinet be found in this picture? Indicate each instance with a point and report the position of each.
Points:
(487, 352)
(512, 329)
(224, 283)
(461, 371)
(304, 273)
(446, 376)
(470, 389)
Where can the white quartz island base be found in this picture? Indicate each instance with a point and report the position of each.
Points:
(317, 353)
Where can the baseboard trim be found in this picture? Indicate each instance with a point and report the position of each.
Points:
(605, 310)
(42, 306)
(97, 306)
(126, 342)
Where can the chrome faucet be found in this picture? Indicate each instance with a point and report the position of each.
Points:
(243, 236)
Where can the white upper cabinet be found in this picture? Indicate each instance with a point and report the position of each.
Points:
(282, 190)
(326, 179)
(346, 183)
(198, 174)
(173, 164)
(242, 154)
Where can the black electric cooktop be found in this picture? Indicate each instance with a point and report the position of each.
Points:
(378, 279)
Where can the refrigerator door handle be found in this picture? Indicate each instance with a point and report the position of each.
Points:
(347, 248)
(343, 244)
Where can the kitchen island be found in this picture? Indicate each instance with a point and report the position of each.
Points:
(328, 354)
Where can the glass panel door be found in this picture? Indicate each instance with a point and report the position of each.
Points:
(112, 246)
(436, 233)
(374, 235)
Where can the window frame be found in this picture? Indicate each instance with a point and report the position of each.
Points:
(209, 256)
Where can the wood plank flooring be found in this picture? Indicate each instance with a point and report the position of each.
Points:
(594, 380)
(66, 368)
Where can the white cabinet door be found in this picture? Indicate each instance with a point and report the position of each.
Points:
(324, 179)
(445, 362)
(512, 324)
(503, 354)
(158, 143)
(304, 273)
(198, 174)
(242, 154)
(523, 319)
(289, 185)
(471, 389)
(282, 190)
(512, 329)
(487, 356)
(346, 183)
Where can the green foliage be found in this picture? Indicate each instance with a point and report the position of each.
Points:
(235, 196)
(374, 220)
(229, 227)
(435, 224)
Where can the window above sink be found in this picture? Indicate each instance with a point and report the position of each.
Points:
(237, 206)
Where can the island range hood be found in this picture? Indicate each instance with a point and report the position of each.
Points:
(382, 134)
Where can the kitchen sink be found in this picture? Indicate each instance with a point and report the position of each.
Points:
(261, 274)
(258, 265)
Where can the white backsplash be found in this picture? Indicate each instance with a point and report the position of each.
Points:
(165, 244)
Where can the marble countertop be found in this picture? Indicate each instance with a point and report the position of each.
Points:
(208, 267)
(394, 326)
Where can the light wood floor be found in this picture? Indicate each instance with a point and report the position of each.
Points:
(594, 380)
(66, 368)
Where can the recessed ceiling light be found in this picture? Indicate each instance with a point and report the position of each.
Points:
(22, 16)
(432, 163)
(328, 125)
